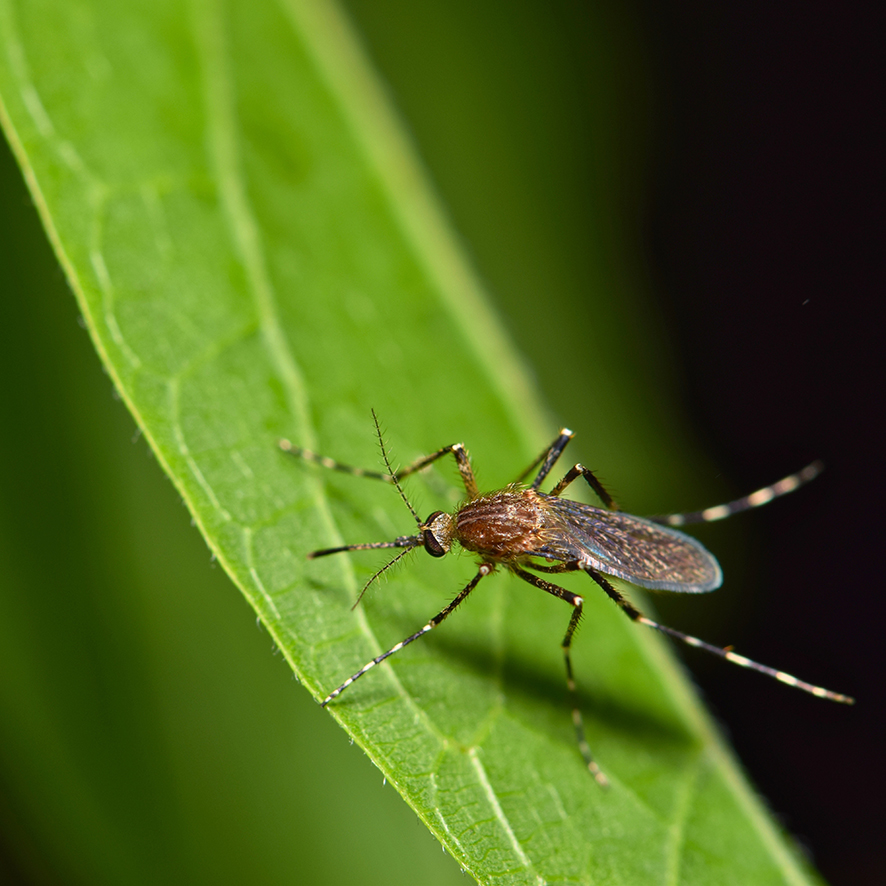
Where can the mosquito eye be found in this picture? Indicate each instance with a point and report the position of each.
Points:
(432, 544)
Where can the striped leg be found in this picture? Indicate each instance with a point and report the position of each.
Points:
(457, 449)
(740, 660)
(485, 569)
(577, 603)
(403, 541)
(324, 461)
(330, 463)
(727, 653)
(548, 458)
(581, 471)
(754, 500)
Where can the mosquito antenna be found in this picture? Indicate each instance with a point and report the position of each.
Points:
(395, 481)
(380, 572)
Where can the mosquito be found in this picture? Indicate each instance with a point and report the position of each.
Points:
(526, 531)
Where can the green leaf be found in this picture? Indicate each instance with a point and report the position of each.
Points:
(256, 254)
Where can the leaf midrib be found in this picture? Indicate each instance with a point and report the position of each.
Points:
(244, 232)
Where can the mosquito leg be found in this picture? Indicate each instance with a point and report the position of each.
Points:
(461, 459)
(547, 458)
(457, 449)
(754, 500)
(581, 471)
(331, 464)
(404, 541)
(577, 603)
(553, 570)
(485, 569)
(727, 653)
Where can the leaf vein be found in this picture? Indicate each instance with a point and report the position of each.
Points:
(500, 816)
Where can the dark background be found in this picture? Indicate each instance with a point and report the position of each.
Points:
(765, 229)
(765, 233)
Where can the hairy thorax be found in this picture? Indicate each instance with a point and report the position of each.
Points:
(505, 525)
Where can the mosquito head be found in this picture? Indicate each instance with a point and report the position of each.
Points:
(436, 533)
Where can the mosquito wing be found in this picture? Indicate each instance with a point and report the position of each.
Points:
(637, 550)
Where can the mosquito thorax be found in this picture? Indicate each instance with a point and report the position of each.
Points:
(436, 533)
(502, 525)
